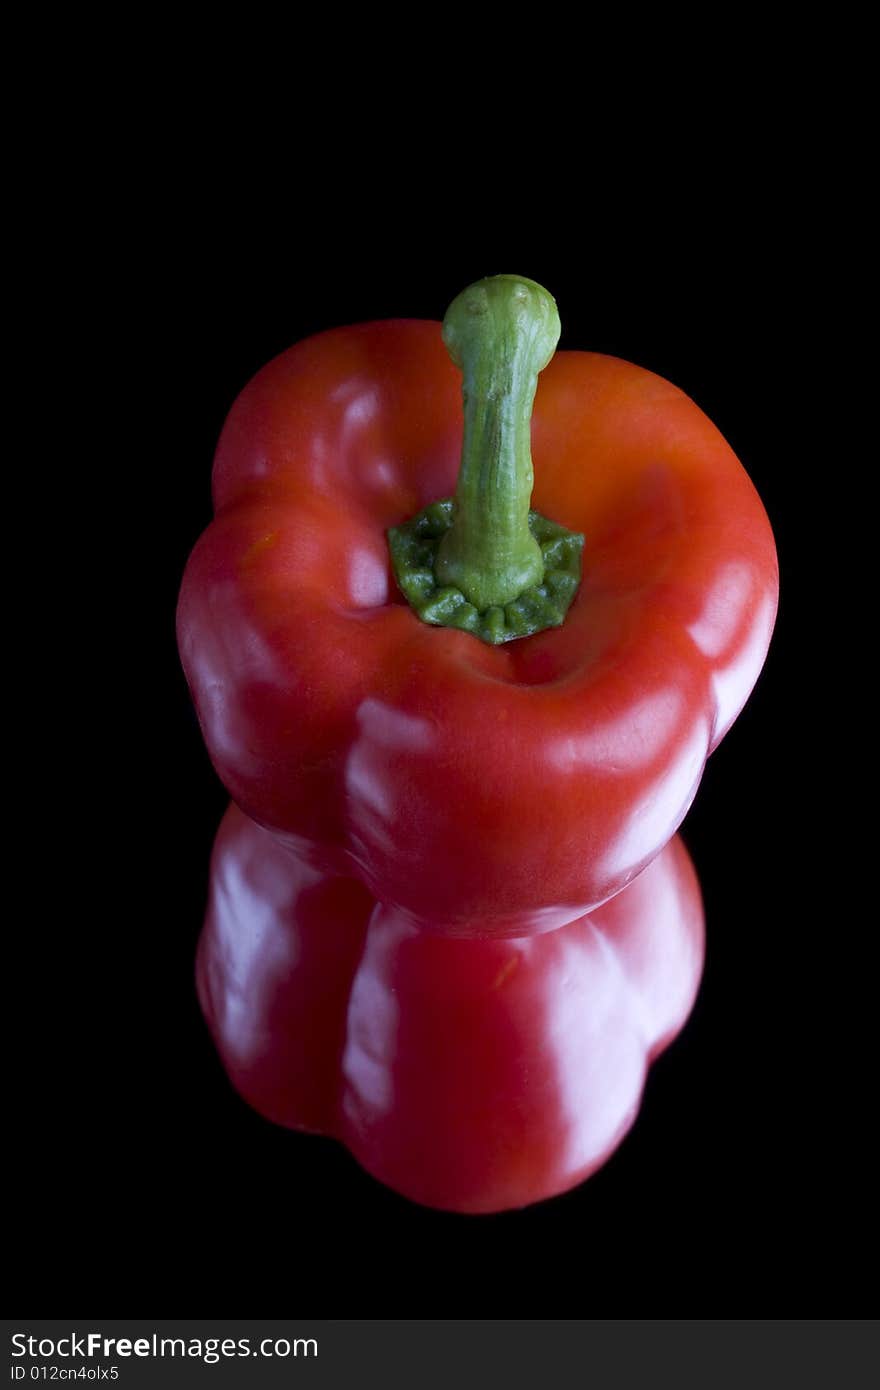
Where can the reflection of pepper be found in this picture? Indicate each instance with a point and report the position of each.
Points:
(469, 1075)
(481, 789)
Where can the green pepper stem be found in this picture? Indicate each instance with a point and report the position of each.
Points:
(482, 561)
(501, 332)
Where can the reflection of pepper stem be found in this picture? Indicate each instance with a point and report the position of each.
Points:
(502, 332)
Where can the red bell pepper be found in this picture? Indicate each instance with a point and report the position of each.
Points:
(476, 789)
(469, 1075)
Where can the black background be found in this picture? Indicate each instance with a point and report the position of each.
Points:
(142, 1180)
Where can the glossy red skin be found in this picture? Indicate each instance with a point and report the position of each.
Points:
(487, 791)
(469, 1075)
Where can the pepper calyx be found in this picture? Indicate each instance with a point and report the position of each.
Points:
(414, 546)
